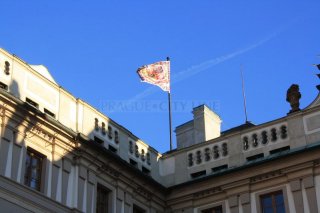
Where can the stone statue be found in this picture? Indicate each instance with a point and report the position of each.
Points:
(293, 97)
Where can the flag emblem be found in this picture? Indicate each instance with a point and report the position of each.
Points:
(157, 74)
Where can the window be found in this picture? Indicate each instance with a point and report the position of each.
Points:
(255, 157)
(199, 174)
(102, 199)
(280, 150)
(137, 209)
(272, 202)
(98, 140)
(220, 168)
(34, 167)
(49, 113)
(3, 86)
(217, 209)
(133, 163)
(32, 103)
(145, 171)
(112, 149)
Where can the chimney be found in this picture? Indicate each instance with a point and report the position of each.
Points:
(206, 125)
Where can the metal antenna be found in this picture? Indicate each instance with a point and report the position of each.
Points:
(244, 94)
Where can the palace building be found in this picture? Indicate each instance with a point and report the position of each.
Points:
(59, 154)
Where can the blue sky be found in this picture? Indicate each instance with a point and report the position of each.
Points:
(93, 48)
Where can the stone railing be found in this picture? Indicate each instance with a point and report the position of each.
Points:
(264, 137)
(107, 135)
(139, 153)
(208, 153)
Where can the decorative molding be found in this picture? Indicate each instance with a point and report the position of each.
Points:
(44, 134)
(143, 192)
(266, 176)
(308, 120)
(207, 192)
(109, 170)
(2, 113)
(316, 162)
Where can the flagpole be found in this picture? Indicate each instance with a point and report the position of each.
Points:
(170, 123)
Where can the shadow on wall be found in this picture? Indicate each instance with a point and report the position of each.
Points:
(40, 153)
(14, 89)
(26, 155)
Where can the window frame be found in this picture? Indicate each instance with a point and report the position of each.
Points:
(283, 189)
(28, 170)
(211, 206)
(109, 196)
(272, 195)
(136, 207)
